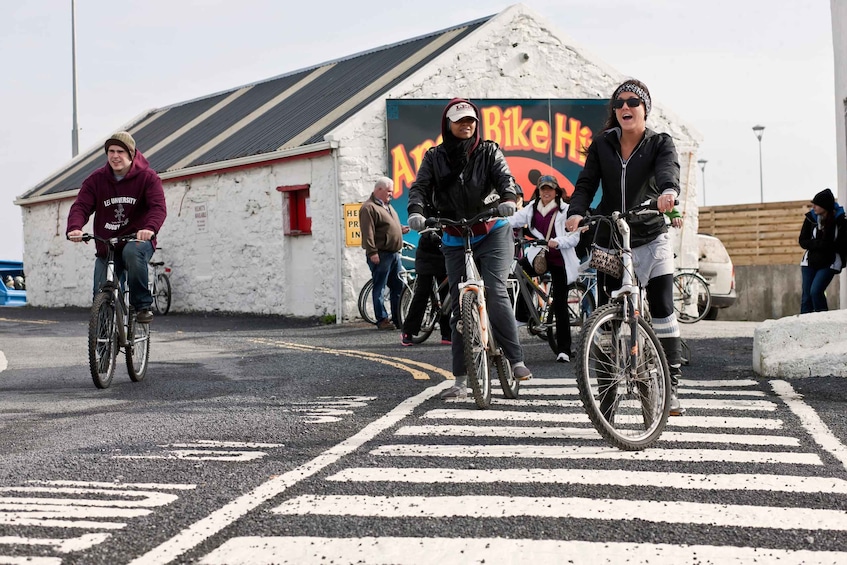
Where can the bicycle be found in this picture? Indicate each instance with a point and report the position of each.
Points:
(435, 307)
(365, 300)
(622, 372)
(691, 296)
(112, 325)
(537, 295)
(159, 281)
(582, 296)
(481, 349)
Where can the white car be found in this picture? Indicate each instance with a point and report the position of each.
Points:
(716, 267)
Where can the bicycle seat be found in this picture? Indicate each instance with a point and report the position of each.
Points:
(157, 263)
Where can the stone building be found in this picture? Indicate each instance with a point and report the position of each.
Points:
(256, 177)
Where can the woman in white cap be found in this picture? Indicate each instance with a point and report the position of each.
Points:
(460, 178)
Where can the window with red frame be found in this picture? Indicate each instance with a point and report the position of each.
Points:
(296, 200)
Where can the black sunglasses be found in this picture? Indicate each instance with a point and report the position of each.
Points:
(631, 102)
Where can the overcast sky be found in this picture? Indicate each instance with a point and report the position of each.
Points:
(721, 66)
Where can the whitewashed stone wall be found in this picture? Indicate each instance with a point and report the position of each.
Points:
(490, 63)
(235, 259)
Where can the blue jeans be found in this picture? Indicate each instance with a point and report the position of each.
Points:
(815, 282)
(387, 273)
(493, 255)
(133, 259)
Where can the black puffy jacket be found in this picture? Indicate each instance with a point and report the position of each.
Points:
(822, 244)
(651, 169)
(484, 183)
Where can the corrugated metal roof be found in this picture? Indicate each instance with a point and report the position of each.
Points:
(283, 112)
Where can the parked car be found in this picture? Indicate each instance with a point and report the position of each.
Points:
(716, 267)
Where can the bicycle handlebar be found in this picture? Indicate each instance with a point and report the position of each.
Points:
(483, 216)
(648, 208)
(86, 237)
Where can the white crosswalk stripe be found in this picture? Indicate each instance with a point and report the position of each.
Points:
(729, 423)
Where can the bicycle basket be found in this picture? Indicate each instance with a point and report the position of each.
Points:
(608, 262)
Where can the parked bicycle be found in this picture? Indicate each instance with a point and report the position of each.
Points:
(112, 325)
(365, 302)
(159, 281)
(622, 374)
(582, 296)
(482, 353)
(691, 296)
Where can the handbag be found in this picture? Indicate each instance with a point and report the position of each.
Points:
(539, 262)
(606, 261)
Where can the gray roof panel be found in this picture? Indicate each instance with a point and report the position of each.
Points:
(304, 117)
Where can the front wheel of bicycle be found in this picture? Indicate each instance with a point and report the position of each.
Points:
(624, 383)
(102, 340)
(691, 297)
(137, 349)
(162, 294)
(476, 351)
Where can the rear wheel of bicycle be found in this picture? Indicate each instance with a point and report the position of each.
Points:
(366, 305)
(162, 294)
(691, 297)
(476, 354)
(628, 405)
(138, 349)
(432, 312)
(580, 304)
(508, 382)
(102, 340)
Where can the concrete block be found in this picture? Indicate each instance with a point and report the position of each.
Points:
(810, 345)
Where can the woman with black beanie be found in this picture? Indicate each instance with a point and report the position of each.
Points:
(824, 237)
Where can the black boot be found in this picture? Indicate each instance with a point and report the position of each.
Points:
(673, 352)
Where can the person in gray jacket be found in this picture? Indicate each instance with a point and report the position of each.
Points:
(460, 178)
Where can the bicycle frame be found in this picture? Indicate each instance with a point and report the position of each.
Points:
(119, 291)
(473, 283)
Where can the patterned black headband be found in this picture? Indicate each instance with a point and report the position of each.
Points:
(638, 91)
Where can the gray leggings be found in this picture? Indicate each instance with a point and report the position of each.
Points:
(493, 255)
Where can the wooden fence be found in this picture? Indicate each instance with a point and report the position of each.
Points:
(757, 234)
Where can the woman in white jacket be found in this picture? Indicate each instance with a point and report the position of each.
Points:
(547, 205)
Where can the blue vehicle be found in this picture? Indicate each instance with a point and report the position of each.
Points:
(13, 292)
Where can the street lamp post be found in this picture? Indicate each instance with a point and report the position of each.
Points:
(758, 131)
(702, 163)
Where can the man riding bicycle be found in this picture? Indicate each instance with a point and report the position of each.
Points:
(126, 197)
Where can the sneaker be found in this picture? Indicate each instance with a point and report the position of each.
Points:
(454, 393)
(676, 408)
(563, 358)
(406, 340)
(446, 341)
(144, 316)
(521, 372)
(385, 324)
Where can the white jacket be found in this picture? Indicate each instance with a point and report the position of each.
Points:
(567, 240)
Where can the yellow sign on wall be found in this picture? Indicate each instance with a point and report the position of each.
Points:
(352, 231)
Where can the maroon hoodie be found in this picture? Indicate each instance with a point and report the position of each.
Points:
(120, 207)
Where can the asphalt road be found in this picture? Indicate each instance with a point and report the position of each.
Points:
(270, 440)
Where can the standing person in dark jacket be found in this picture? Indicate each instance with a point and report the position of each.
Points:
(460, 178)
(429, 268)
(635, 164)
(824, 237)
(126, 197)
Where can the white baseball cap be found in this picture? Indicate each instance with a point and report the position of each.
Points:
(461, 110)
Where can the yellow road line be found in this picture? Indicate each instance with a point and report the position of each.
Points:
(396, 362)
(28, 321)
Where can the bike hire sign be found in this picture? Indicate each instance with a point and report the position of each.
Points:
(538, 137)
